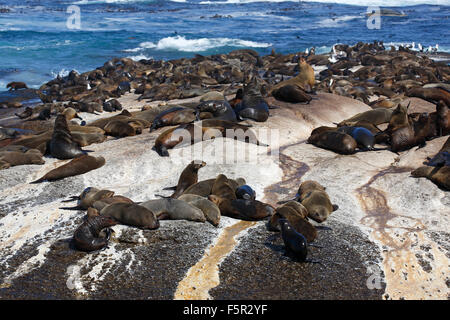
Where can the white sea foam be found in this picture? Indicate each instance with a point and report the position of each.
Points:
(180, 43)
(139, 57)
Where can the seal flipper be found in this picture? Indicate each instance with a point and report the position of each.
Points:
(161, 196)
(170, 188)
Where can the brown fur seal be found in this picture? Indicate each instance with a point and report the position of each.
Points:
(333, 140)
(250, 210)
(203, 188)
(316, 201)
(16, 85)
(376, 117)
(173, 116)
(295, 243)
(188, 134)
(304, 80)
(62, 145)
(438, 175)
(252, 106)
(86, 236)
(174, 209)
(433, 95)
(131, 214)
(17, 158)
(75, 167)
(221, 110)
(296, 214)
(119, 129)
(100, 204)
(188, 177)
(291, 93)
(209, 208)
(443, 118)
(90, 195)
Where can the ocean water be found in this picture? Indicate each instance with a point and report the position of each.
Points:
(36, 42)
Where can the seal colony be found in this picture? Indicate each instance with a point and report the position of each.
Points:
(237, 91)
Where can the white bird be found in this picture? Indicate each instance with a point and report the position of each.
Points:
(420, 47)
(413, 46)
(88, 86)
(307, 51)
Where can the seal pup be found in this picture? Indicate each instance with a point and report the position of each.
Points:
(75, 167)
(188, 177)
(86, 236)
(174, 209)
(61, 144)
(295, 243)
(131, 214)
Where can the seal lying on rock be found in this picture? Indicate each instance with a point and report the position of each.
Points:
(363, 137)
(10, 158)
(438, 175)
(188, 134)
(210, 209)
(251, 210)
(204, 188)
(130, 214)
(174, 209)
(335, 141)
(314, 198)
(86, 236)
(221, 110)
(173, 116)
(75, 167)
(291, 93)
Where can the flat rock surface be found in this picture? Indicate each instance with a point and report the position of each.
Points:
(388, 239)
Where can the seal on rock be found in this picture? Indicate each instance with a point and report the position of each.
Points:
(188, 177)
(75, 167)
(335, 141)
(132, 215)
(62, 145)
(174, 209)
(86, 236)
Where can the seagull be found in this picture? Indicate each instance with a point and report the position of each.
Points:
(307, 51)
(420, 47)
